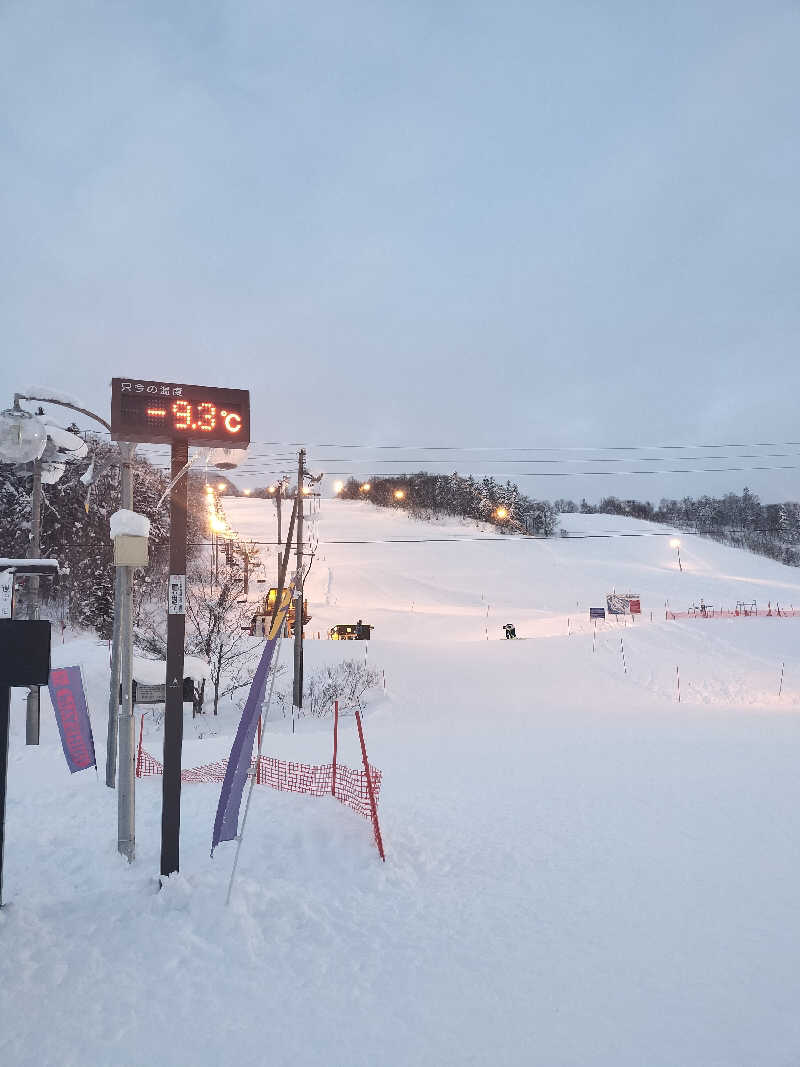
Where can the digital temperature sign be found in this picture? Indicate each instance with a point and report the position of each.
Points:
(162, 412)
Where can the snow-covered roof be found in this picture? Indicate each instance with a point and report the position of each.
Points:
(154, 671)
(129, 522)
(17, 564)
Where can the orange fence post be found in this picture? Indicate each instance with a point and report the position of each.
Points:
(258, 754)
(139, 753)
(335, 744)
(370, 790)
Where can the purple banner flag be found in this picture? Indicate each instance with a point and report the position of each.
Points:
(226, 823)
(72, 716)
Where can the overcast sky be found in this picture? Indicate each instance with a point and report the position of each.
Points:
(474, 224)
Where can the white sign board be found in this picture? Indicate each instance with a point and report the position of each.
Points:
(6, 593)
(176, 603)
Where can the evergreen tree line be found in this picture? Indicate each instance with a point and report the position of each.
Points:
(481, 499)
(771, 530)
(75, 531)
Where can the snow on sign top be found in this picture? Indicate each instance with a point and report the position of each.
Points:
(32, 566)
(129, 522)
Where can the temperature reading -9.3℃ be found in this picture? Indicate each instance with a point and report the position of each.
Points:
(145, 411)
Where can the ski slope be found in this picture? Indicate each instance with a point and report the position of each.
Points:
(580, 870)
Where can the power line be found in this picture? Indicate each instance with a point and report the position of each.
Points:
(454, 540)
(498, 448)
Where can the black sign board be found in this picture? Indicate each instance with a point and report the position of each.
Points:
(24, 652)
(163, 412)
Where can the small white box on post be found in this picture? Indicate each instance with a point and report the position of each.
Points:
(130, 532)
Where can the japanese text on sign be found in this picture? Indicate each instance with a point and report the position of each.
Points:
(177, 594)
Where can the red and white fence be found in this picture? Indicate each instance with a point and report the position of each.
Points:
(777, 612)
(358, 789)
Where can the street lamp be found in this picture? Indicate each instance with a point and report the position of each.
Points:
(23, 437)
(338, 487)
(501, 513)
(365, 488)
(399, 494)
(676, 544)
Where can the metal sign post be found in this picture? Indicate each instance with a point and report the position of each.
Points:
(180, 415)
(24, 660)
(176, 630)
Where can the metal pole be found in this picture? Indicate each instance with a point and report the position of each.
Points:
(5, 708)
(176, 629)
(126, 501)
(297, 697)
(32, 715)
(126, 823)
(114, 693)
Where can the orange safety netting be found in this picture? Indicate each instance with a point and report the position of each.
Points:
(745, 613)
(351, 786)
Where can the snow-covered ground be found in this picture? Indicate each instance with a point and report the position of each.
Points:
(580, 870)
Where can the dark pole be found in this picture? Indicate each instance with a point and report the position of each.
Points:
(35, 552)
(298, 592)
(176, 629)
(5, 707)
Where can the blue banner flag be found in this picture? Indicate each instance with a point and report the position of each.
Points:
(597, 613)
(72, 716)
(226, 823)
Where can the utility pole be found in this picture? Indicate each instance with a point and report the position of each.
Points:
(122, 576)
(124, 732)
(32, 707)
(297, 697)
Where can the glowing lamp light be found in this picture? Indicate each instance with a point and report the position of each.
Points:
(338, 487)
(675, 543)
(217, 525)
(247, 492)
(306, 490)
(365, 488)
(399, 494)
(220, 486)
(501, 513)
(271, 489)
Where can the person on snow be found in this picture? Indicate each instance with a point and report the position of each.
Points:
(510, 631)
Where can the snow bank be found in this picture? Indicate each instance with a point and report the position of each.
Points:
(129, 522)
(154, 671)
(580, 870)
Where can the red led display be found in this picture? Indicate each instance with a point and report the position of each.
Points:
(144, 411)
